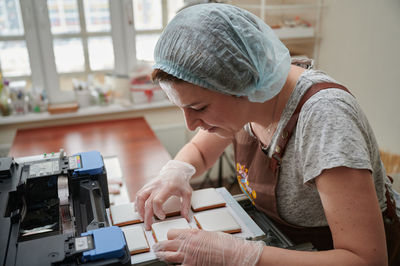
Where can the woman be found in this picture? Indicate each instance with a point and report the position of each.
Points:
(304, 151)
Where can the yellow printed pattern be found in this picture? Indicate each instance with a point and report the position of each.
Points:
(242, 177)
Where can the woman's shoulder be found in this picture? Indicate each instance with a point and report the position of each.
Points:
(334, 94)
(311, 77)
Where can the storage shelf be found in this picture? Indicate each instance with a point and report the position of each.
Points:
(304, 37)
(281, 7)
(294, 33)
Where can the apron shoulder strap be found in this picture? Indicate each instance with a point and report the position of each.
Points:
(288, 130)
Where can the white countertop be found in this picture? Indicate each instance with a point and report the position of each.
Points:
(81, 112)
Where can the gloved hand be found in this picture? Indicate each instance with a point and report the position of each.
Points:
(198, 247)
(173, 179)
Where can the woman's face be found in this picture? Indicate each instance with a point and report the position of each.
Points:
(212, 111)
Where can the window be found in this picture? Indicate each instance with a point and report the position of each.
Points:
(82, 42)
(14, 56)
(48, 43)
(148, 26)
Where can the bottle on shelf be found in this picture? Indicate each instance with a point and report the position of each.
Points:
(5, 101)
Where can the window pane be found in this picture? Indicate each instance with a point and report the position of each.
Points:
(101, 53)
(10, 18)
(145, 44)
(97, 15)
(69, 55)
(173, 7)
(147, 14)
(64, 16)
(14, 59)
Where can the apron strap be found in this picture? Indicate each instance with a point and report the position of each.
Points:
(288, 130)
(392, 228)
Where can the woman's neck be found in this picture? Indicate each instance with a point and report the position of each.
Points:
(277, 104)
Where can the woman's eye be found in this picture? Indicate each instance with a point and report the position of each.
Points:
(200, 109)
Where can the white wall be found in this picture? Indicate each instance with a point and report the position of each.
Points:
(360, 47)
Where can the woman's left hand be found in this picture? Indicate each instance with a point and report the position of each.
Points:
(198, 247)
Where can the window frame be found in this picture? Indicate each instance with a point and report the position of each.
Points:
(39, 43)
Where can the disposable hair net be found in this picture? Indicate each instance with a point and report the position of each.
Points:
(226, 49)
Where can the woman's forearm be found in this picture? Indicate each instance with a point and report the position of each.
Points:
(202, 151)
(190, 154)
(279, 256)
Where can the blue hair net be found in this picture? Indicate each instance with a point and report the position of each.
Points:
(225, 49)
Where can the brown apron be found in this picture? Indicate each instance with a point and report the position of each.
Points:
(258, 175)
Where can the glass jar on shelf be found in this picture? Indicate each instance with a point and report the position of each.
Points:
(38, 100)
(19, 97)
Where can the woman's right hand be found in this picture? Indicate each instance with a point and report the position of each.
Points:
(173, 179)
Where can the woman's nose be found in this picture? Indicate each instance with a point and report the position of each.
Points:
(192, 122)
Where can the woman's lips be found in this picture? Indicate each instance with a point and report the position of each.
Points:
(209, 129)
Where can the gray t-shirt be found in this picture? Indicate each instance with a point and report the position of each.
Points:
(331, 131)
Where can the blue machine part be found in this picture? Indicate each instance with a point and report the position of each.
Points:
(91, 163)
(109, 242)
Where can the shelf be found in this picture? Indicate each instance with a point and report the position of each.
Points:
(295, 23)
(295, 32)
(82, 112)
(281, 7)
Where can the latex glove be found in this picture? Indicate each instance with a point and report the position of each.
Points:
(198, 247)
(173, 179)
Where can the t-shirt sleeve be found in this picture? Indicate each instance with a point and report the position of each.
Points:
(331, 134)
